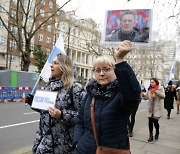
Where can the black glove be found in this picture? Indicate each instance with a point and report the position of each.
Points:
(29, 99)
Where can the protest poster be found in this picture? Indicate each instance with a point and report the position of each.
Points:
(44, 99)
(128, 24)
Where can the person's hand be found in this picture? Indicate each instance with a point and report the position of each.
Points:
(54, 112)
(142, 94)
(29, 99)
(153, 94)
(124, 48)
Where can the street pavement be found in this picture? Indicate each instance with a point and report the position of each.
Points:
(168, 142)
(169, 139)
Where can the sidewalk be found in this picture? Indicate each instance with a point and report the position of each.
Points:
(169, 139)
(168, 142)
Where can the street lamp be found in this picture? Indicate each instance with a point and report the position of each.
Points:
(69, 35)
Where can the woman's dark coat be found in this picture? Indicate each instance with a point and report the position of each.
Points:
(55, 136)
(112, 107)
(170, 94)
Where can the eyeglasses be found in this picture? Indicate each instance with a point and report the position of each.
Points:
(104, 70)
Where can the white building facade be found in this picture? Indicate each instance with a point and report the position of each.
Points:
(3, 33)
(81, 40)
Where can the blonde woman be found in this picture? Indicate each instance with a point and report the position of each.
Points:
(116, 91)
(56, 125)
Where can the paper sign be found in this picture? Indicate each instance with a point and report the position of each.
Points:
(44, 99)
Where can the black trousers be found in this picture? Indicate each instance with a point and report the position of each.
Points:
(131, 121)
(154, 122)
(168, 112)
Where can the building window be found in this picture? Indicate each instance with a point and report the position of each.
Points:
(48, 40)
(42, 13)
(30, 20)
(43, 2)
(14, 30)
(49, 14)
(48, 51)
(40, 37)
(13, 14)
(49, 28)
(13, 58)
(12, 45)
(87, 59)
(14, 1)
(50, 4)
(86, 73)
(2, 40)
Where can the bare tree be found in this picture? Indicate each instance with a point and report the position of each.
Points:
(26, 19)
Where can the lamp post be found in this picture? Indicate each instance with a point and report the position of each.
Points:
(69, 36)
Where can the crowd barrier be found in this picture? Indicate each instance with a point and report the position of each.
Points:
(13, 93)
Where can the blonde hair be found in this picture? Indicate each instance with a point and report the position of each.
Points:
(67, 70)
(103, 59)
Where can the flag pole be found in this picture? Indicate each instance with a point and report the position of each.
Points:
(35, 86)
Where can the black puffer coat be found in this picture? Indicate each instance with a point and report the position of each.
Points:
(112, 107)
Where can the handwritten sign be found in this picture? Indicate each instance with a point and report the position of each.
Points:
(44, 99)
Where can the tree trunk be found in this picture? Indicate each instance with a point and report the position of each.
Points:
(26, 56)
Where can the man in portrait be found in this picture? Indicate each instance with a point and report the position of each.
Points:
(127, 30)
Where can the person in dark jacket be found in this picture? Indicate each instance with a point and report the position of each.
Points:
(116, 91)
(170, 94)
(56, 126)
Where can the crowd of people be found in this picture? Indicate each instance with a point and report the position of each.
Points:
(67, 128)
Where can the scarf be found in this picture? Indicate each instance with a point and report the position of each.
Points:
(152, 97)
(104, 92)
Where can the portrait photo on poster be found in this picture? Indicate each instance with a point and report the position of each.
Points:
(129, 24)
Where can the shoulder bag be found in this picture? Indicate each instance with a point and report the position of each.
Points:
(102, 149)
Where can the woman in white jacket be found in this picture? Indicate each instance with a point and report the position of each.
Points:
(155, 95)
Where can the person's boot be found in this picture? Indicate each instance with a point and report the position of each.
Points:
(150, 138)
(156, 135)
(130, 134)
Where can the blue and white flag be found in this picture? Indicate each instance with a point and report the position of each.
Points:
(171, 74)
(58, 48)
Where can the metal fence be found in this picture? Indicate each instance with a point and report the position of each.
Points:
(14, 93)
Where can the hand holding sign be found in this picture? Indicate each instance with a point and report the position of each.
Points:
(54, 112)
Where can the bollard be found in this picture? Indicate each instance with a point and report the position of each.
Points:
(23, 97)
